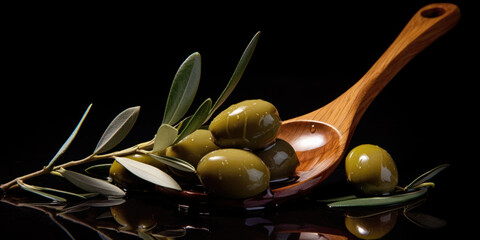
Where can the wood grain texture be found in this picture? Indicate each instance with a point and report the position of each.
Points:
(321, 137)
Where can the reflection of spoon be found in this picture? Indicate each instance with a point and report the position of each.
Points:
(322, 136)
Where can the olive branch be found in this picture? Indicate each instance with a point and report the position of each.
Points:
(174, 127)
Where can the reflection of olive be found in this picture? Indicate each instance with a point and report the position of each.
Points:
(251, 124)
(193, 147)
(133, 215)
(372, 227)
(280, 158)
(233, 173)
(371, 170)
(125, 179)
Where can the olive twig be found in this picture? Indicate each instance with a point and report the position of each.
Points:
(91, 158)
(181, 95)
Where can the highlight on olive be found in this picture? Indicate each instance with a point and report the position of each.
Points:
(251, 124)
(193, 147)
(371, 170)
(233, 173)
(280, 158)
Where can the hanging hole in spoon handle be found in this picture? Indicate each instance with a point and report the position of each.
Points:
(427, 25)
(433, 12)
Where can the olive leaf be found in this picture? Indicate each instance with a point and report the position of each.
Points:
(337, 199)
(423, 185)
(182, 124)
(99, 170)
(166, 135)
(91, 184)
(174, 162)
(237, 74)
(69, 140)
(149, 173)
(379, 201)
(426, 176)
(183, 89)
(34, 189)
(117, 130)
(196, 121)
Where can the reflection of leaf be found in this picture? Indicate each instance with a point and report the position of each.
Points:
(79, 195)
(149, 173)
(426, 176)
(183, 89)
(425, 220)
(143, 234)
(105, 215)
(170, 233)
(166, 134)
(69, 140)
(33, 189)
(379, 201)
(93, 203)
(91, 184)
(117, 130)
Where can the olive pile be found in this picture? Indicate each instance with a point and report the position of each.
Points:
(251, 155)
(236, 157)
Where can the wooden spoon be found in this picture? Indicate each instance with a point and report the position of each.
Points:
(321, 137)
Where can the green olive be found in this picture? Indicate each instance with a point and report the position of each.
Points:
(280, 158)
(233, 173)
(125, 179)
(251, 124)
(372, 227)
(193, 147)
(371, 170)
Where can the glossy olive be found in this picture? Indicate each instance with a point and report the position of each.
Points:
(280, 158)
(251, 124)
(193, 147)
(233, 173)
(125, 179)
(371, 170)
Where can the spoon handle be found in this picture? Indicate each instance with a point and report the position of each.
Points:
(428, 24)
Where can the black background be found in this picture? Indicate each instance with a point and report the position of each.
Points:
(59, 59)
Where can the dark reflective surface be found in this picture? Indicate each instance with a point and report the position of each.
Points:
(145, 215)
(59, 61)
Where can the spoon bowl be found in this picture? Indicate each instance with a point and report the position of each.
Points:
(320, 138)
